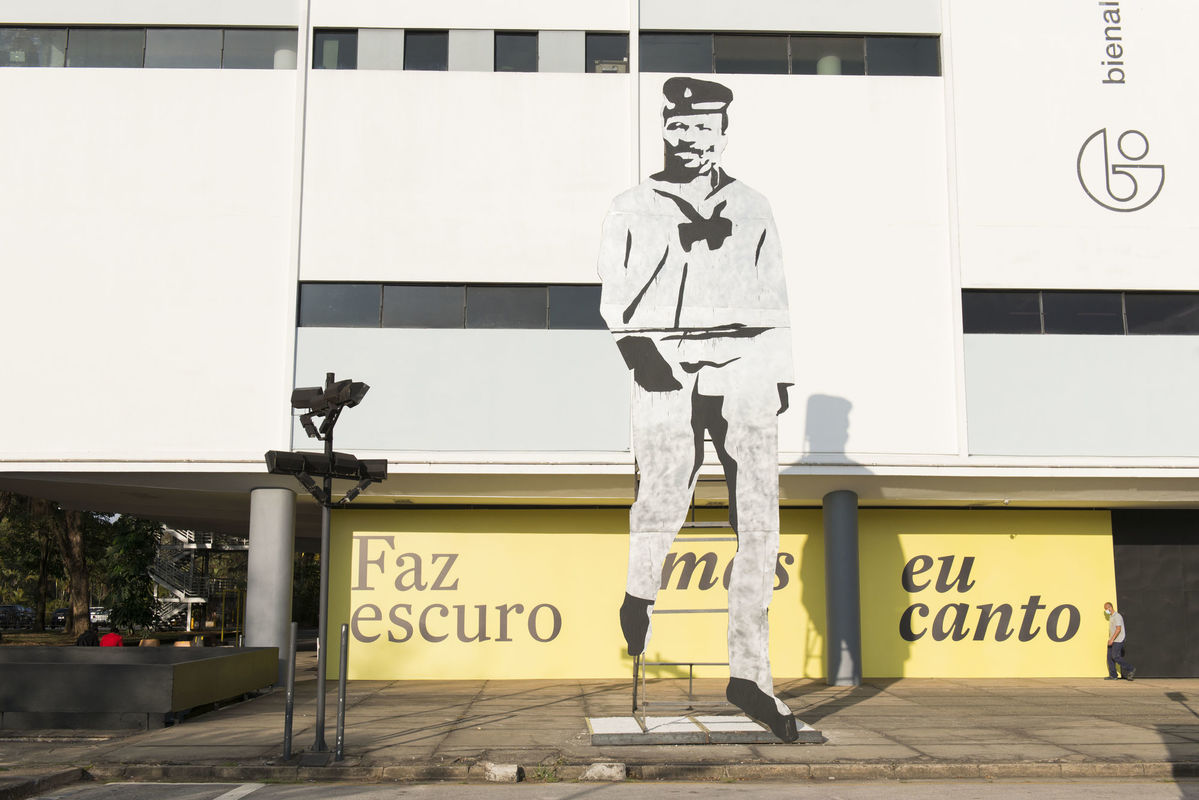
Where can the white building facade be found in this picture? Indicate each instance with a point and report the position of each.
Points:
(988, 226)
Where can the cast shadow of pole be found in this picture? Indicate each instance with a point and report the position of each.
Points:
(1182, 743)
(884, 652)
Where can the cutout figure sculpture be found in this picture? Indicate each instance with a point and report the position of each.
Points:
(694, 293)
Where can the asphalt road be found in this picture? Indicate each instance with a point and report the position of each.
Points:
(877, 790)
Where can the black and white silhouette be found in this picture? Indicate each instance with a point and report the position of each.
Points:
(694, 292)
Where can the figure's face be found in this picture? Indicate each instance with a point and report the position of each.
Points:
(694, 143)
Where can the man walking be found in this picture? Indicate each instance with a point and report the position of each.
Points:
(694, 292)
(1116, 636)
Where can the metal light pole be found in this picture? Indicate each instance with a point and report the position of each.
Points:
(327, 403)
(322, 633)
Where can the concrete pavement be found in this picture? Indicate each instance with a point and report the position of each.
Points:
(449, 730)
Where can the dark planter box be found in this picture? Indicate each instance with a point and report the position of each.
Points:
(123, 687)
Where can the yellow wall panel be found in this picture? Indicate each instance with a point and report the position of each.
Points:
(534, 594)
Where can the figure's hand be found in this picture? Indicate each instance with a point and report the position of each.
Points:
(650, 370)
(784, 400)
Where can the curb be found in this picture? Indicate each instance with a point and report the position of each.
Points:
(478, 772)
(22, 786)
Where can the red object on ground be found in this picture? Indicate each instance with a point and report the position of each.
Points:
(112, 639)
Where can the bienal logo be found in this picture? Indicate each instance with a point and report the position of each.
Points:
(1117, 177)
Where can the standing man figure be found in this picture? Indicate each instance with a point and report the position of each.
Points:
(1116, 636)
(694, 292)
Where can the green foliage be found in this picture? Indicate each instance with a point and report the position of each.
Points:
(131, 546)
(306, 589)
(23, 547)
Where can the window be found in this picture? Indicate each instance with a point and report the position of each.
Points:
(1080, 312)
(1162, 312)
(903, 55)
(135, 47)
(505, 306)
(797, 54)
(106, 47)
(450, 305)
(334, 49)
(1001, 312)
(515, 51)
(828, 55)
(607, 52)
(575, 307)
(187, 48)
(676, 52)
(340, 305)
(759, 55)
(424, 306)
(427, 50)
(1083, 312)
(260, 48)
(33, 47)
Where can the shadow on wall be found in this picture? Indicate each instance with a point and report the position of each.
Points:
(884, 651)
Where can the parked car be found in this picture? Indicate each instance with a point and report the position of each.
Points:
(25, 617)
(8, 616)
(59, 618)
(98, 615)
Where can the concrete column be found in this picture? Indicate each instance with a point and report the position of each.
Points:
(268, 590)
(843, 644)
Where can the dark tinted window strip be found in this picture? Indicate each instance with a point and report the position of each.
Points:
(557, 306)
(790, 53)
(125, 46)
(1102, 313)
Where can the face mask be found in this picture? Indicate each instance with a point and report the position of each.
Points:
(1107, 614)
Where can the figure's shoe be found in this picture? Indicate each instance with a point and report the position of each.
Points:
(1110, 678)
(634, 622)
(758, 705)
(1131, 671)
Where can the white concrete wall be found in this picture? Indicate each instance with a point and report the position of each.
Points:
(855, 172)
(1028, 90)
(511, 182)
(444, 176)
(267, 13)
(849, 16)
(594, 15)
(473, 390)
(148, 302)
(1082, 395)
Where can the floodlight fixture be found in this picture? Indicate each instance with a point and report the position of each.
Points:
(347, 393)
(309, 428)
(371, 470)
(308, 397)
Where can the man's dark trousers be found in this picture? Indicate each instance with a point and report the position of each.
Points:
(1115, 655)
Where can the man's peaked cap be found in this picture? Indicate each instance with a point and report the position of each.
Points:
(686, 96)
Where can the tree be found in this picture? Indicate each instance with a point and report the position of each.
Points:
(130, 552)
(28, 564)
(78, 537)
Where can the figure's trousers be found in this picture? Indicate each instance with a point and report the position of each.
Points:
(668, 444)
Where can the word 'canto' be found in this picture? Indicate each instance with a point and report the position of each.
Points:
(953, 621)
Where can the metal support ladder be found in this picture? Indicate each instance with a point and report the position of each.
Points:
(692, 531)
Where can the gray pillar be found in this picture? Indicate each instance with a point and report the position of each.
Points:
(843, 644)
(268, 590)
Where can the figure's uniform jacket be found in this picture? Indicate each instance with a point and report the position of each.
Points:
(739, 283)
